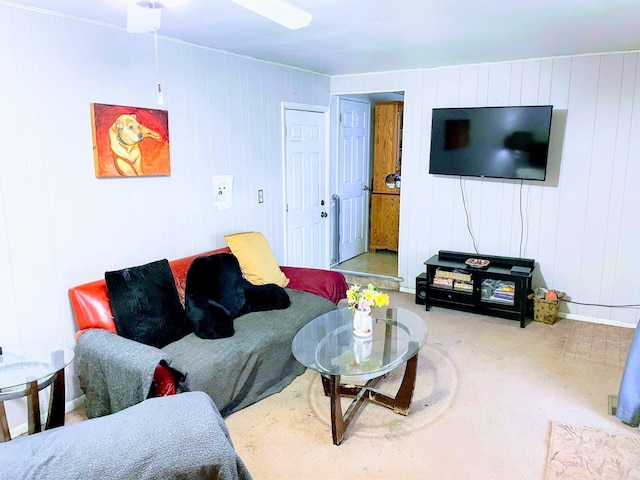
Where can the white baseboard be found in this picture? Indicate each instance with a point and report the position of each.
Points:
(601, 321)
(568, 316)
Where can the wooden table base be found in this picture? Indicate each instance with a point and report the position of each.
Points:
(399, 404)
(55, 414)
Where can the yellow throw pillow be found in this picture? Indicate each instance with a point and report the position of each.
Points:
(257, 262)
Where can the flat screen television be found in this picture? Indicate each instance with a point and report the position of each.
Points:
(495, 142)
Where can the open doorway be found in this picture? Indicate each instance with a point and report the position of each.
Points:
(378, 218)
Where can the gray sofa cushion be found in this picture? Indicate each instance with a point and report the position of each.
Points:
(177, 437)
(256, 361)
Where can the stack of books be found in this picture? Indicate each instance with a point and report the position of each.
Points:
(504, 292)
(456, 279)
(442, 282)
(463, 286)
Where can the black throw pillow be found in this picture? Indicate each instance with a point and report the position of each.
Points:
(145, 304)
(216, 293)
(260, 298)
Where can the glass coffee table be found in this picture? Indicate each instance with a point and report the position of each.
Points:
(26, 370)
(328, 346)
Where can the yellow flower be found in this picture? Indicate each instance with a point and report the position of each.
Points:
(360, 298)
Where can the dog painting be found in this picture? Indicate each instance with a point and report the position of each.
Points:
(129, 141)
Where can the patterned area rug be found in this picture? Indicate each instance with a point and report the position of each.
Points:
(583, 453)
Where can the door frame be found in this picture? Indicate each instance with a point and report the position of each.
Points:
(328, 158)
(372, 96)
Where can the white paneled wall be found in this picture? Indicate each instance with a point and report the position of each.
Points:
(59, 225)
(581, 225)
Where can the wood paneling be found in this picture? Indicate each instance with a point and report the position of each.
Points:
(59, 225)
(581, 225)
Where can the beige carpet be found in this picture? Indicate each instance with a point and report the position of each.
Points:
(486, 394)
(583, 453)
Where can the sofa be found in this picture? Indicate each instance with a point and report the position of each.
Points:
(236, 371)
(174, 437)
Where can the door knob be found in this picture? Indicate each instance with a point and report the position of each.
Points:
(366, 187)
(323, 214)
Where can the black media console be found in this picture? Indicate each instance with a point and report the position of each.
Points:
(499, 289)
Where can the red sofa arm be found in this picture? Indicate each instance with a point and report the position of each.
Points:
(325, 283)
(164, 383)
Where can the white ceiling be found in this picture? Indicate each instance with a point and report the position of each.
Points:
(358, 36)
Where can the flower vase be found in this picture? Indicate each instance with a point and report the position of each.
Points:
(362, 323)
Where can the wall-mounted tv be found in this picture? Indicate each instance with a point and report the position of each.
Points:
(496, 142)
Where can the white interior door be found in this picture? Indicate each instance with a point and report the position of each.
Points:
(353, 177)
(306, 187)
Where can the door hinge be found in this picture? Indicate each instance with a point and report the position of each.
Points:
(340, 118)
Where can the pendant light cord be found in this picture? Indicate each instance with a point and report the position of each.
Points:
(159, 87)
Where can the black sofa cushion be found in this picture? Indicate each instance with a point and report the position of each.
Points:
(145, 304)
(216, 293)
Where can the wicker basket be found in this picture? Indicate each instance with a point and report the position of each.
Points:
(545, 311)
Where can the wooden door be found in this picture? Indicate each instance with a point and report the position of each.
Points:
(386, 149)
(385, 221)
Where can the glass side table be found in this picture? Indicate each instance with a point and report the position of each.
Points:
(24, 372)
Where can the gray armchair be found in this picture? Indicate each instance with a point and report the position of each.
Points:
(179, 436)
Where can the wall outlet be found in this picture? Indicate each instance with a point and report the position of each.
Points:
(260, 196)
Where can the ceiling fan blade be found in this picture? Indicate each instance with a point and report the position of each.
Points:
(143, 19)
(278, 11)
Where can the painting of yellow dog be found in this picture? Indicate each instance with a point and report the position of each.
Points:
(130, 141)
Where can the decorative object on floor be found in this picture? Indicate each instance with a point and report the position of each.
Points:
(545, 305)
(361, 301)
(121, 145)
(588, 453)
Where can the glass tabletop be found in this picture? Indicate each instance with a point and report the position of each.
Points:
(20, 365)
(328, 346)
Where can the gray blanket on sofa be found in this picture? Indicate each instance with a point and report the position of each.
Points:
(235, 372)
(115, 372)
(177, 437)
